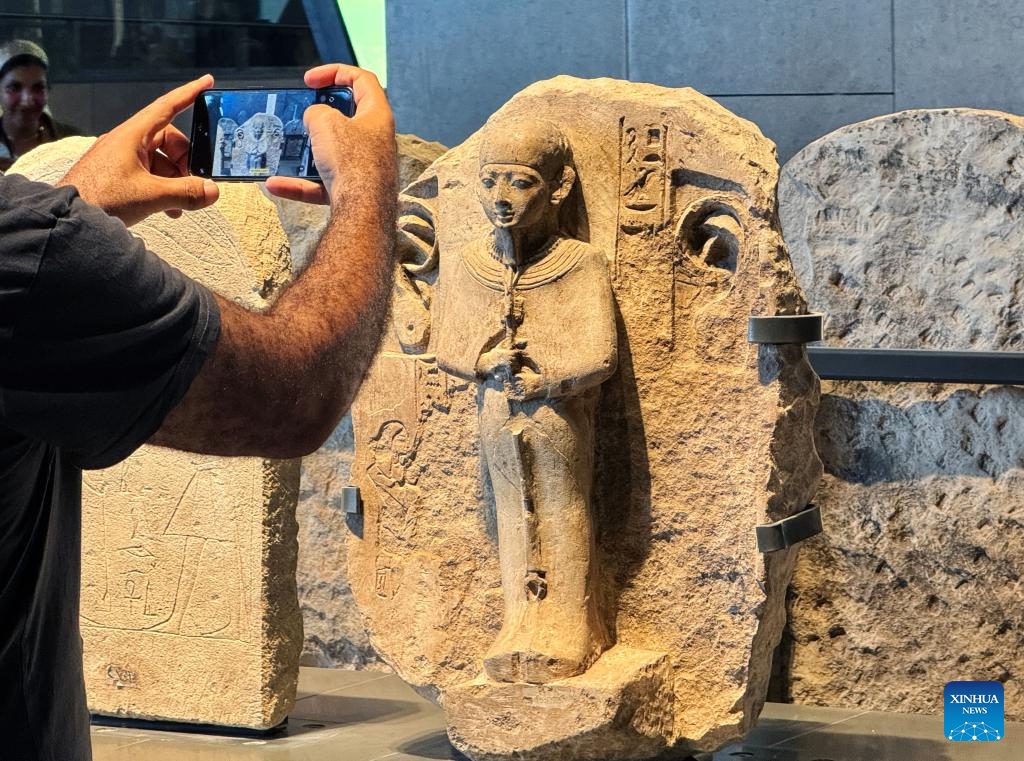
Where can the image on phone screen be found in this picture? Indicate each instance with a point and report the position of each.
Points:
(255, 134)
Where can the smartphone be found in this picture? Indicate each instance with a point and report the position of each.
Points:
(253, 134)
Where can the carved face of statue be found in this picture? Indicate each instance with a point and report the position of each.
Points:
(514, 195)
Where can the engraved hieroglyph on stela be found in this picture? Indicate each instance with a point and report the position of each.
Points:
(169, 565)
(643, 182)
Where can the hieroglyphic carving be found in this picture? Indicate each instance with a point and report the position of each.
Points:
(161, 560)
(392, 471)
(644, 204)
(644, 199)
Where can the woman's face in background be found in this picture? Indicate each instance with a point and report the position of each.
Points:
(23, 91)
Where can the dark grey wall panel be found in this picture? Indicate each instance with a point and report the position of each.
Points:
(793, 121)
(452, 64)
(960, 53)
(763, 46)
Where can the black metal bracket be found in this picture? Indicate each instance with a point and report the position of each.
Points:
(784, 329)
(1004, 368)
(352, 500)
(772, 537)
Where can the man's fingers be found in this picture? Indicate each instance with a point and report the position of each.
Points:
(331, 74)
(295, 189)
(161, 111)
(366, 89)
(162, 166)
(174, 145)
(318, 116)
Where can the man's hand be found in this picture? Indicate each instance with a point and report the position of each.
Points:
(277, 382)
(141, 166)
(342, 146)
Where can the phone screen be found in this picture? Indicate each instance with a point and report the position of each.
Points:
(255, 134)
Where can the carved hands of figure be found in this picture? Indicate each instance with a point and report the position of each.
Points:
(518, 373)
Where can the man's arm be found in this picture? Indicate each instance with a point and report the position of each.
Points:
(277, 382)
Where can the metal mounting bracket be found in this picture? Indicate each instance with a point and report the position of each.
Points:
(352, 500)
(787, 532)
(784, 329)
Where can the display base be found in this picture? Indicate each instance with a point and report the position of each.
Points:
(102, 720)
(621, 708)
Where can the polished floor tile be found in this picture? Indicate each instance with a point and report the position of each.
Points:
(807, 733)
(371, 716)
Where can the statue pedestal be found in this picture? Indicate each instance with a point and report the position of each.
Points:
(619, 708)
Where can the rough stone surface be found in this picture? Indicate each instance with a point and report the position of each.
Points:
(189, 610)
(699, 437)
(907, 231)
(335, 634)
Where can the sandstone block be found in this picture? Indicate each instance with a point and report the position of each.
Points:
(906, 231)
(189, 609)
(565, 443)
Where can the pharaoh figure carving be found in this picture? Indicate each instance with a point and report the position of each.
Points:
(257, 145)
(528, 315)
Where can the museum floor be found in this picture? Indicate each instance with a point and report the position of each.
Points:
(368, 716)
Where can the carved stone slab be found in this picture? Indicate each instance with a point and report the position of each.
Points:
(907, 231)
(188, 608)
(700, 436)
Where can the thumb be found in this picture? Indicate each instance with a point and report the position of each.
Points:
(187, 193)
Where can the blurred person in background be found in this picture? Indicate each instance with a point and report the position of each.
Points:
(25, 122)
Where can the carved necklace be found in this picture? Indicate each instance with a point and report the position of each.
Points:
(554, 259)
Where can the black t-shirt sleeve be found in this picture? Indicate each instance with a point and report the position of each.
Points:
(99, 338)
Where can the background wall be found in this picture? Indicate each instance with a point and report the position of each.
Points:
(96, 107)
(797, 68)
